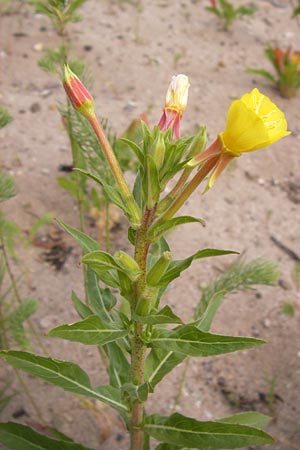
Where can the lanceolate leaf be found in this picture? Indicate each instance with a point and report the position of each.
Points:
(160, 228)
(90, 331)
(64, 374)
(81, 308)
(119, 367)
(137, 150)
(209, 313)
(165, 315)
(177, 266)
(159, 363)
(187, 432)
(87, 243)
(190, 341)
(19, 437)
(98, 299)
(111, 192)
(263, 73)
(100, 261)
(250, 418)
(170, 447)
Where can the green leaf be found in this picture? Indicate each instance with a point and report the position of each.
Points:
(177, 266)
(213, 10)
(189, 340)
(81, 308)
(159, 363)
(184, 431)
(86, 242)
(170, 447)
(112, 193)
(98, 299)
(135, 392)
(110, 278)
(263, 73)
(119, 367)
(246, 10)
(100, 261)
(160, 228)
(250, 418)
(165, 315)
(19, 437)
(90, 331)
(137, 150)
(210, 311)
(70, 185)
(75, 4)
(64, 374)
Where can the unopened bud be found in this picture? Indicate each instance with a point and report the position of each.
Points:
(198, 143)
(159, 268)
(79, 96)
(128, 264)
(158, 149)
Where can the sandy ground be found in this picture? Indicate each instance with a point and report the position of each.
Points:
(132, 56)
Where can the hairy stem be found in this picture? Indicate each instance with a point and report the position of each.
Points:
(138, 349)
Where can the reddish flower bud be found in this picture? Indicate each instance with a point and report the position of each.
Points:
(79, 96)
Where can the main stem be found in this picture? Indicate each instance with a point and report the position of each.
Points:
(138, 349)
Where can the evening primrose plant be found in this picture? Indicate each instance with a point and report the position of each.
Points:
(287, 67)
(142, 347)
(227, 12)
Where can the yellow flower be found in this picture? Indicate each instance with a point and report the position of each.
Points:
(253, 122)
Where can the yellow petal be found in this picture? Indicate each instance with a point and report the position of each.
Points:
(244, 129)
(253, 122)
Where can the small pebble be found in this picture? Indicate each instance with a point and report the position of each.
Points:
(87, 48)
(266, 323)
(38, 47)
(131, 105)
(35, 107)
(46, 93)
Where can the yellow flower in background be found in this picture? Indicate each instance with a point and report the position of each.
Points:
(253, 122)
